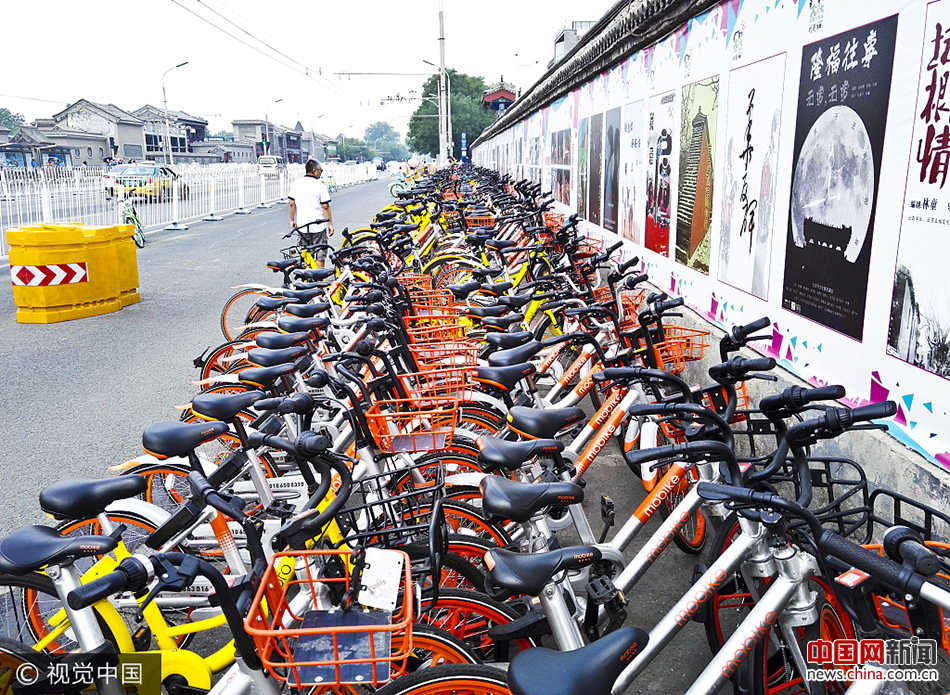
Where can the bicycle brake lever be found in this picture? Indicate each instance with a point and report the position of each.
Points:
(171, 577)
(764, 377)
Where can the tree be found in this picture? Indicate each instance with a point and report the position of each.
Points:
(468, 116)
(380, 130)
(11, 120)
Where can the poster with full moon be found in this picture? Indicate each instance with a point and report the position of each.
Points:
(661, 136)
(751, 136)
(631, 172)
(919, 328)
(839, 135)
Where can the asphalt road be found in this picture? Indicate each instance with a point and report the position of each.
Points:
(79, 393)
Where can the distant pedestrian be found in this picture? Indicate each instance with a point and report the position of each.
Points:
(310, 201)
(32, 162)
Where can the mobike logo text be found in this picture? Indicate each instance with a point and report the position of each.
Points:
(659, 495)
(630, 653)
(697, 600)
(587, 383)
(613, 421)
(575, 369)
(603, 413)
(583, 557)
(549, 360)
(748, 644)
(665, 541)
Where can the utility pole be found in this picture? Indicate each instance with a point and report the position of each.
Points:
(443, 112)
(169, 157)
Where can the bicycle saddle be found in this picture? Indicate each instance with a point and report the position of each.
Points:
(292, 325)
(527, 573)
(498, 244)
(315, 274)
(261, 357)
(282, 264)
(303, 295)
(590, 670)
(307, 311)
(503, 378)
(497, 288)
(515, 301)
(273, 303)
(164, 439)
(224, 407)
(541, 424)
(517, 501)
(484, 311)
(265, 377)
(462, 290)
(501, 323)
(504, 341)
(79, 499)
(280, 341)
(495, 453)
(32, 547)
(515, 355)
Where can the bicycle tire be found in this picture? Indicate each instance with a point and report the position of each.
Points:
(226, 309)
(462, 679)
(35, 596)
(457, 572)
(13, 657)
(138, 236)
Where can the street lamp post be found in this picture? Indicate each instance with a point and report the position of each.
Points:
(266, 128)
(169, 157)
(445, 107)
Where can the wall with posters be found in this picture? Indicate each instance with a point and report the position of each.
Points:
(786, 158)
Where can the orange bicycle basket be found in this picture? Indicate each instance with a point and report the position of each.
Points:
(326, 647)
(437, 355)
(415, 280)
(452, 382)
(410, 425)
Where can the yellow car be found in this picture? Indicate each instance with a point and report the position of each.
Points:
(149, 181)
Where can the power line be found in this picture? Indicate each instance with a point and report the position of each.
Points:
(45, 101)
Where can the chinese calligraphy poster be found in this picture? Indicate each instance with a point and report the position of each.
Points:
(582, 140)
(919, 329)
(839, 134)
(751, 137)
(631, 173)
(611, 169)
(596, 165)
(660, 131)
(700, 111)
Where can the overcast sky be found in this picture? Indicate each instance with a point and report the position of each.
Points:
(57, 51)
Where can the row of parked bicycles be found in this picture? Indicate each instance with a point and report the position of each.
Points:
(381, 485)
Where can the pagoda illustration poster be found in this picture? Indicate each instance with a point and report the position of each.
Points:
(659, 165)
(699, 113)
(611, 169)
(596, 165)
(631, 172)
(839, 136)
(919, 327)
(750, 138)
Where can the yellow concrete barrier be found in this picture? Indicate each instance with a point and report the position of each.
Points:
(61, 272)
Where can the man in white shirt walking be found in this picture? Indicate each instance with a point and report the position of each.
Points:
(310, 201)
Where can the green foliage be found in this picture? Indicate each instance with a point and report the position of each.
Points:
(11, 120)
(467, 114)
(380, 130)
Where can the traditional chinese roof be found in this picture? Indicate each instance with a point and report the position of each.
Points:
(110, 111)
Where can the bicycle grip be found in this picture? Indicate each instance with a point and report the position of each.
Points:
(631, 282)
(758, 364)
(96, 590)
(881, 568)
(795, 397)
(875, 411)
(613, 248)
(740, 333)
(627, 264)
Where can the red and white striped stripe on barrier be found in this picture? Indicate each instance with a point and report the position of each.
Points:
(46, 275)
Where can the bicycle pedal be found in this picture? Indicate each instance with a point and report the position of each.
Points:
(142, 639)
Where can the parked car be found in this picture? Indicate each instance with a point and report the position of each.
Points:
(269, 165)
(147, 180)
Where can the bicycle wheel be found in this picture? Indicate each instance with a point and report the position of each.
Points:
(458, 679)
(17, 663)
(138, 236)
(28, 603)
(457, 572)
(469, 615)
(690, 537)
(235, 310)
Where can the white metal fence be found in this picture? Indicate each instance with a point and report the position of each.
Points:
(90, 195)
